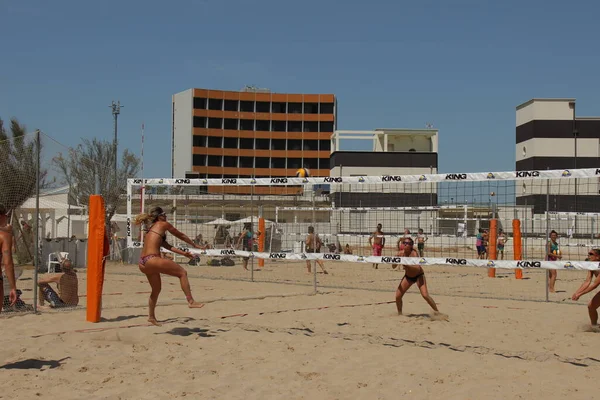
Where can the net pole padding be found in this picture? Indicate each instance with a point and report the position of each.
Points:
(97, 250)
(261, 239)
(517, 246)
(492, 244)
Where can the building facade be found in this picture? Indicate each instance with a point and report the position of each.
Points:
(549, 135)
(251, 133)
(391, 152)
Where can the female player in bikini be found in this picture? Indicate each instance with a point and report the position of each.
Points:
(152, 264)
(412, 274)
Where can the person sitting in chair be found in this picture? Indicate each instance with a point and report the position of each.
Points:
(67, 285)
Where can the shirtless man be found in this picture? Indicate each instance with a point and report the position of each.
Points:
(6, 243)
(377, 242)
(67, 284)
(412, 274)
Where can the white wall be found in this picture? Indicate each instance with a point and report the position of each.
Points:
(544, 109)
(183, 104)
(563, 147)
(405, 143)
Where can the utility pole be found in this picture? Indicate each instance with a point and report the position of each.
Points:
(116, 110)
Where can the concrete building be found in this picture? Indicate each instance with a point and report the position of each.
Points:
(549, 135)
(253, 132)
(392, 152)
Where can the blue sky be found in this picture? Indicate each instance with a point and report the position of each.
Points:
(461, 65)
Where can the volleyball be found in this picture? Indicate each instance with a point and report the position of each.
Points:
(303, 173)
(556, 252)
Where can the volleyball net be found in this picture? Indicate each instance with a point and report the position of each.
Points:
(468, 228)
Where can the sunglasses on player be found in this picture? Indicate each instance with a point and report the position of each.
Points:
(407, 243)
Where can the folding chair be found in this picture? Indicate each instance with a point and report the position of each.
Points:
(56, 258)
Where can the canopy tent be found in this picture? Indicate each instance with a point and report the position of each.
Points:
(47, 204)
(218, 221)
(251, 219)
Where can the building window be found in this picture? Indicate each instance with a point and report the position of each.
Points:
(214, 161)
(262, 144)
(294, 126)
(246, 124)
(294, 144)
(229, 161)
(230, 143)
(231, 105)
(215, 142)
(199, 160)
(230, 124)
(311, 163)
(200, 103)
(215, 104)
(246, 162)
(294, 163)
(262, 125)
(324, 163)
(278, 144)
(199, 122)
(199, 141)
(311, 108)
(294, 108)
(279, 108)
(278, 126)
(324, 145)
(262, 162)
(325, 126)
(310, 145)
(278, 163)
(247, 106)
(263, 107)
(247, 143)
(215, 123)
(325, 108)
(311, 126)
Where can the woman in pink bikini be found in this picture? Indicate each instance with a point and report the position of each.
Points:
(152, 264)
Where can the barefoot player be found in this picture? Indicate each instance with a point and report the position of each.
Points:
(412, 274)
(377, 242)
(588, 286)
(152, 264)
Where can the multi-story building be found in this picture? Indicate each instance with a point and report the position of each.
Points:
(549, 135)
(251, 133)
(392, 152)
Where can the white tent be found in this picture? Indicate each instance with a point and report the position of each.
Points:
(251, 219)
(218, 221)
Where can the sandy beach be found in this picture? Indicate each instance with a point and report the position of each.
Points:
(338, 344)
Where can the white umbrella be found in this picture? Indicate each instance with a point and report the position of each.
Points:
(251, 219)
(218, 221)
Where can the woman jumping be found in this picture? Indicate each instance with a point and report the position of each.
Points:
(152, 264)
(412, 274)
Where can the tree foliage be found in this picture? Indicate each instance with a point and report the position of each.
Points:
(95, 158)
(18, 165)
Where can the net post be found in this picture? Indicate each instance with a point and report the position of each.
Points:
(252, 232)
(314, 246)
(261, 235)
(36, 257)
(517, 246)
(547, 234)
(492, 240)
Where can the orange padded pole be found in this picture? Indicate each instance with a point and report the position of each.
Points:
(492, 245)
(517, 246)
(261, 240)
(98, 248)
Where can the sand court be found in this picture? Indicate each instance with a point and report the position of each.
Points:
(338, 344)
